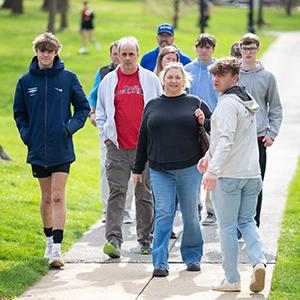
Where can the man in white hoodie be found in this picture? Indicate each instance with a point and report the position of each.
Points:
(233, 174)
(261, 84)
(122, 96)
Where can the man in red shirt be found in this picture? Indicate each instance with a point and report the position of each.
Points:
(122, 96)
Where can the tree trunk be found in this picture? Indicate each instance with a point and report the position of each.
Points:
(3, 155)
(7, 4)
(63, 8)
(260, 18)
(52, 13)
(17, 7)
(176, 13)
(45, 6)
(288, 7)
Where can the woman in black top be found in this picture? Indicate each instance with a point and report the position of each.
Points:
(169, 141)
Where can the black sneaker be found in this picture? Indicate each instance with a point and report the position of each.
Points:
(210, 220)
(199, 211)
(160, 272)
(145, 247)
(173, 235)
(193, 267)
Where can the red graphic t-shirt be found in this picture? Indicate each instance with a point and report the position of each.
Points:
(129, 105)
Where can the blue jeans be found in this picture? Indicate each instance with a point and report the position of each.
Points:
(170, 187)
(234, 201)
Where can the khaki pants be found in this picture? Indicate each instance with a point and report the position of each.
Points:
(119, 163)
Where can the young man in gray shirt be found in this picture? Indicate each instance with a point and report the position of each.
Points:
(261, 84)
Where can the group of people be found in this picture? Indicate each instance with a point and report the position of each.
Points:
(149, 116)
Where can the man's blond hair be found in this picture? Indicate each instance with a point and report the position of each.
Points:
(46, 41)
(250, 38)
(225, 65)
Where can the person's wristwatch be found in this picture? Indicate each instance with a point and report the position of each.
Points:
(91, 113)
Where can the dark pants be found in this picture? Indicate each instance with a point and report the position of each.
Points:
(119, 163)
(262, 163)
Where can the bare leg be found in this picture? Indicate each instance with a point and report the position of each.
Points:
(91, 36)
(83, 36)
(58, 196)
(46, 204)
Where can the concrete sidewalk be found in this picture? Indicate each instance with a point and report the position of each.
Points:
(88, 273)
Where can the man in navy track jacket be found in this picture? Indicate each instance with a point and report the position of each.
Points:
(42, 111)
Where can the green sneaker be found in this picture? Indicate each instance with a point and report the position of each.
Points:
(112, 249)
(145, 247)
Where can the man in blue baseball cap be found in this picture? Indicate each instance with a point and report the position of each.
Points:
(165, 28)
(165, 37)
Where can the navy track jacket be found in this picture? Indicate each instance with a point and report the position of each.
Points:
(42, 111)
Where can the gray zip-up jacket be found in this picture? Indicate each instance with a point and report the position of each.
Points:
(261, 84)
(233, 150)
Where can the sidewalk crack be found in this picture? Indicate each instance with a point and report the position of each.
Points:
(143, 289)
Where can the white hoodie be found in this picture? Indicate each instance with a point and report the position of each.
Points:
(105, 110)
(233, 151)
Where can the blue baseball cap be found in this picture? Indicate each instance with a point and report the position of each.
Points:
(165, 28)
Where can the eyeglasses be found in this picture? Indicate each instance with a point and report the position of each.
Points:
(249, 49)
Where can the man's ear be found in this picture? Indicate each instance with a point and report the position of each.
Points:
(235, 78)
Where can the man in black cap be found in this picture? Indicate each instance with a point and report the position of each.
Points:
(165, 37)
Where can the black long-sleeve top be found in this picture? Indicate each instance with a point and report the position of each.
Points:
(168, 136)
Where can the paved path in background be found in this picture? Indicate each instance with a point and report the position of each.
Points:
(88, 273)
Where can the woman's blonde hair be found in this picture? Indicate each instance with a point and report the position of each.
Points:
(179, 66)
(163, 52)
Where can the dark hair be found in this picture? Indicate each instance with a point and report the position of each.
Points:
(113, 44)
(250, 38)
(225, 65)
(235, 50)
(204, 40)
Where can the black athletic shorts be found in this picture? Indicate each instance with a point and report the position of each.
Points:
(41, 172)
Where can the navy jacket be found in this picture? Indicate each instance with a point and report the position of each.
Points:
(42, 111)
(149, 59)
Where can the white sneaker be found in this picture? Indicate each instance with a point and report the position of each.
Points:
(56, 260)
(82, 50)
(226, 286)
(49, 246)
(98, 46)
(258, 278)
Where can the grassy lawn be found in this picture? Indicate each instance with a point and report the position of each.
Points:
(22, 244)
(286, 277)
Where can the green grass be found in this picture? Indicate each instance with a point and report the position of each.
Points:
(21, 236)
(286, 277)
